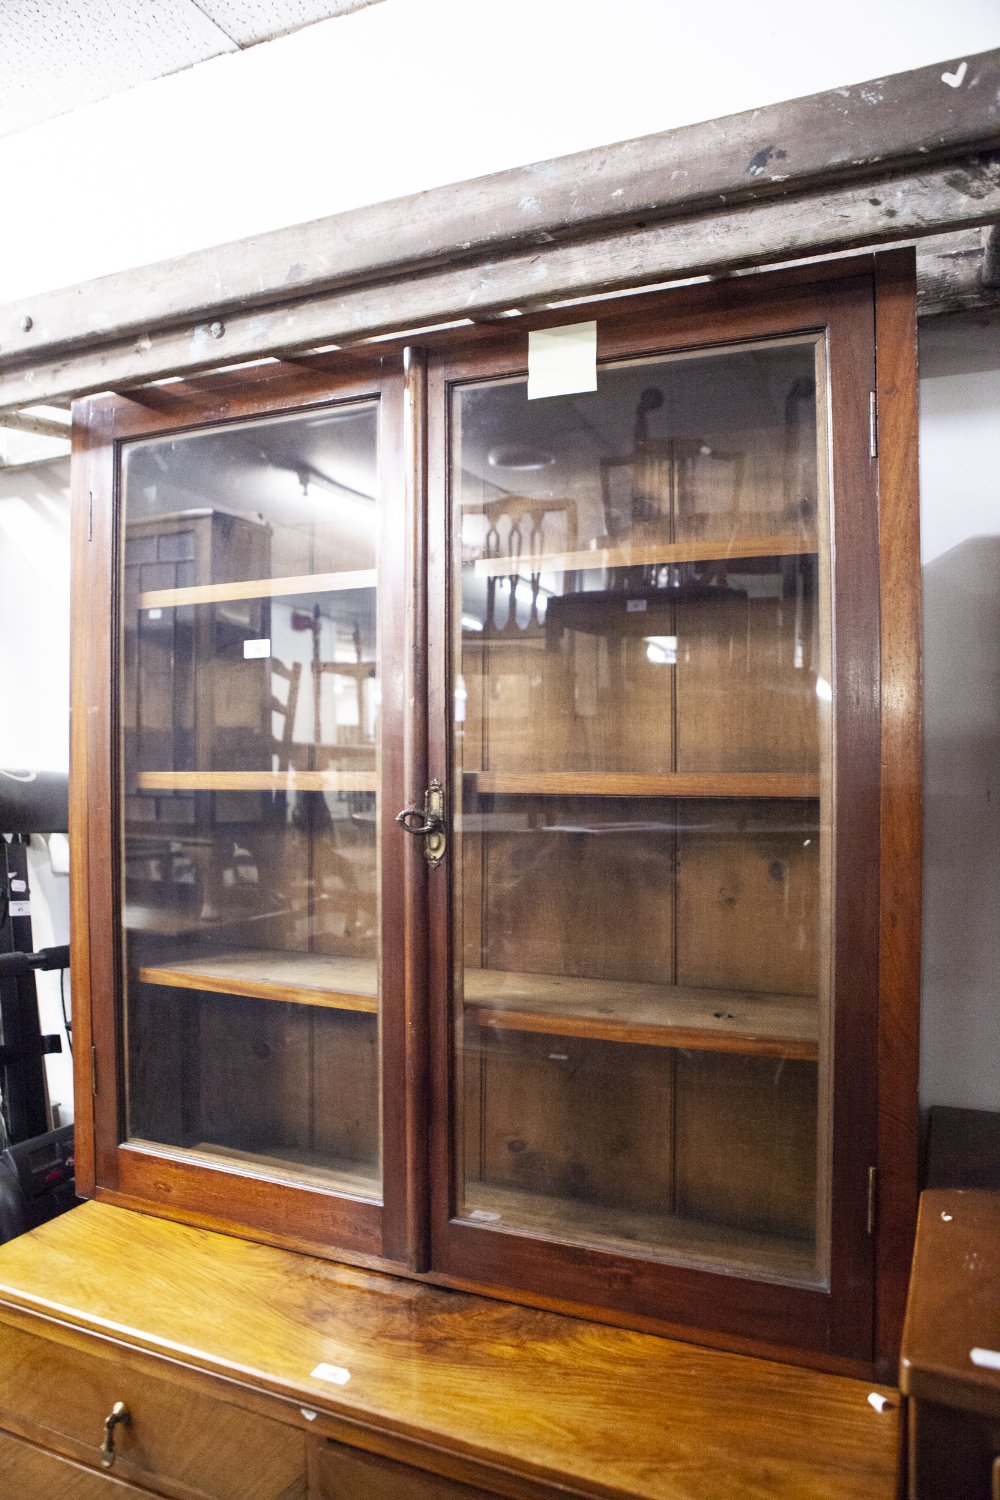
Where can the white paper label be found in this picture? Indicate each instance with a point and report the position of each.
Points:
(20, 908)
(336, 1374)
(562, 361)
(155, 614)
(19, 885)
(255, 650)
(986, 1359)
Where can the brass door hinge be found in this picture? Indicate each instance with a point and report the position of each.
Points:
(93, 1070)
(872, 1198)
(872, 425)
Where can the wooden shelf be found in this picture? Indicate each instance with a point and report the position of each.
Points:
(264, 974)
(642, 554)
(651, 1015)
(680, 1240)
(257, 781)
(786, 784)
(258, 588)
(347, 1179)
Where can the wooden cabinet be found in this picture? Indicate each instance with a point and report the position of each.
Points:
(950, 1360)
(639, 1035)
(253, 1372)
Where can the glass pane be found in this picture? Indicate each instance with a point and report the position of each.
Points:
(250, 741)
(642, 735)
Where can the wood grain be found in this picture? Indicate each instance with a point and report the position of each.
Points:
(467, 1386)
(926, 201)
(901, 789)
(60, 1397)
(257, 588)
(305, 978)
(34, 1474)
(654, 1015)
(689, 1241)
(868, 128)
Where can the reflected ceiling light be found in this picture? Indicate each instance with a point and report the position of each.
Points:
(661, 650)
(518, 456)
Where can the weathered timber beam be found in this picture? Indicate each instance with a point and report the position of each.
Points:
(929, 202)
(23, 421)
(954, 273)
(883, 127)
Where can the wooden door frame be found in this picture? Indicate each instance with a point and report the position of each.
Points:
(884, 616)
(107, 1166)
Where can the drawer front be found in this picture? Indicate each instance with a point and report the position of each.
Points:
(341, 1473)
(30, 1474)
(59, 1398)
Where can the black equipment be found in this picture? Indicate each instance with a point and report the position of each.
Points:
(36, 1181)
(36, 1168)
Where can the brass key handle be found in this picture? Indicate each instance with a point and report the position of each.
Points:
(428, 823)
(119, 1414)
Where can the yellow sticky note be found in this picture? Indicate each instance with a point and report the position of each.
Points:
(562, 361)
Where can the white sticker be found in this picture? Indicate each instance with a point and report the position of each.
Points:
(635, 606)
(336, 1374)
(19, 885)
(20, 908)
(255, 650)
(562, 361)
(155, 614)
(986, 1359)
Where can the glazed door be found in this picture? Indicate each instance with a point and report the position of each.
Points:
(656, 671)
(257, 711)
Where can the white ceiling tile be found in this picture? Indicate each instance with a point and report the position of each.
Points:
(249, 21)
(56, 55)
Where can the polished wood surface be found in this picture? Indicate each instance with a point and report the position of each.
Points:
(901, 788)
(31, 1473)
(950, 1362)
(472, 1389)
(340, 1473)
(954, 1301)
(60, 1396)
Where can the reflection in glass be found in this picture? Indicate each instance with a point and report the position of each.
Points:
(250, 717)
(643, 744)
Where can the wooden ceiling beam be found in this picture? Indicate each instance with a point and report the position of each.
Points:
(891, 159)
(930, 202)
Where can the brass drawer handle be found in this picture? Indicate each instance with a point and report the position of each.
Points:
(119, 1413)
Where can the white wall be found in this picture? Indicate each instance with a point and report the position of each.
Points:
(410, 94)
(960, 544)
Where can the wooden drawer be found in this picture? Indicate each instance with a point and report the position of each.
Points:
(201, 1447)
(30, 1474)
(340, 1473)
